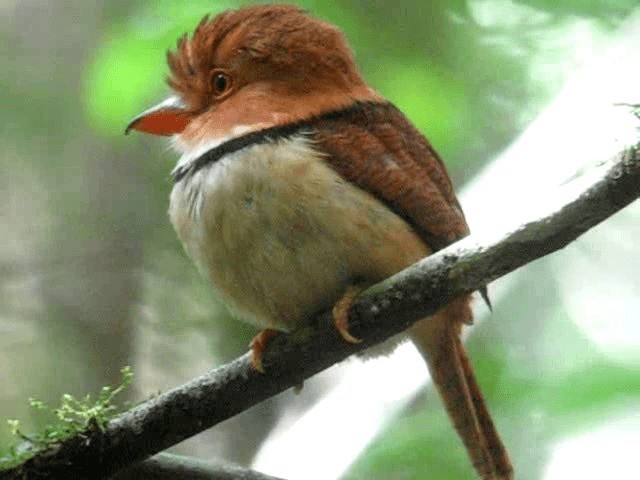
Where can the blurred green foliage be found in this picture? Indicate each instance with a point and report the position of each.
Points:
(94, 278)
(423, 436)
(610, 11)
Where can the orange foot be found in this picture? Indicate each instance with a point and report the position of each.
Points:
(341, 313)
(257, 345)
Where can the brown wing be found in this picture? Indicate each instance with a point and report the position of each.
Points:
(377, 148)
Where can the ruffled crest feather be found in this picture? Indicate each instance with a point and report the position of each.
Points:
(283, 37)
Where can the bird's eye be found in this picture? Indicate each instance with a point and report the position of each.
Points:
(220, 82)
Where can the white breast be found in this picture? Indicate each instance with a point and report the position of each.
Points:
(280, 234)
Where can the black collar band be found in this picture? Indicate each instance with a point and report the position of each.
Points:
(268, 135)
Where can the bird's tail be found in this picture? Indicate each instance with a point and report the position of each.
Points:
(438, 340)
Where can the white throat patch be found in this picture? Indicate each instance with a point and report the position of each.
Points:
(189, 153)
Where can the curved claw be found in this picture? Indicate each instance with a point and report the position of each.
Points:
(341, 314)
(257, 345)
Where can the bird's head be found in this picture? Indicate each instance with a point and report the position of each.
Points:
(254, 68)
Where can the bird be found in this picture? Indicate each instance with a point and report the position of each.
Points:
(298, 186)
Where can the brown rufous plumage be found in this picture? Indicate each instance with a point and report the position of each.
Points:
(297, 180)
(378, 149)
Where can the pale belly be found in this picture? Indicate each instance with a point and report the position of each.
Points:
(280, 235)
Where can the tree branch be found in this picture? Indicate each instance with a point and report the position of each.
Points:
(382, 311)
(165, 466)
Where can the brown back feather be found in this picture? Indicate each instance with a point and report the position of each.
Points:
(381, 151)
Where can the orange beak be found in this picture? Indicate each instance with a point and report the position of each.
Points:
(169, 117)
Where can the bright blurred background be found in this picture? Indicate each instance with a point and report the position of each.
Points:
(92, 277)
